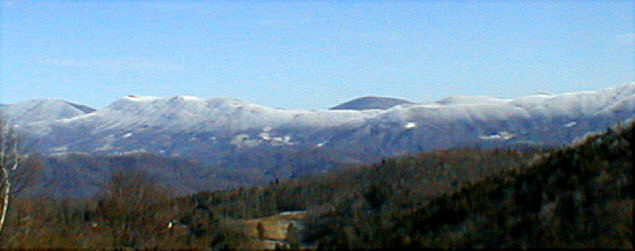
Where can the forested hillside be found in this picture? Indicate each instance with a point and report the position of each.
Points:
(578, 196)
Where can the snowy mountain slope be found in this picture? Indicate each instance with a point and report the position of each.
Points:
(43, 110)
(366, 103)
(229, 131)
(537, 120)
(131, 115)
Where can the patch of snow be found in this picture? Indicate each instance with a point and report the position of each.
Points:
(489, 137)
(571, 124)
(242, 140)
(501, 135)
(265, 136)
(506, 135)
(410, 125)
(277, 139)
(284, 140)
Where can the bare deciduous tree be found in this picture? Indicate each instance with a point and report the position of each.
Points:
(17, 169)
(130, 205)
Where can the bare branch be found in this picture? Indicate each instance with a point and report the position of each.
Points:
(14, 176)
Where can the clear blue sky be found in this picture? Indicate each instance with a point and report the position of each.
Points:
(311, 54)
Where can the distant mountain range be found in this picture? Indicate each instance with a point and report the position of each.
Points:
(367, 103)
(232, 133)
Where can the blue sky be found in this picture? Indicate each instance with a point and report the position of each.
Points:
(311, 54)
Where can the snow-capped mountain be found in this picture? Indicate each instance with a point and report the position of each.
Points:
(366, 103)
(227, 130)
(42, 110)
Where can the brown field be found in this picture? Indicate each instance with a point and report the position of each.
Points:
(275, 227)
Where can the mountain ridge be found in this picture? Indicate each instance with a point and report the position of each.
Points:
(448, 101)
(228, 131)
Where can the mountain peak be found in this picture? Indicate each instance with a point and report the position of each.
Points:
(371, 102)
(43, 110)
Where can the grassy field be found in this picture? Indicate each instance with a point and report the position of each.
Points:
(274, 228)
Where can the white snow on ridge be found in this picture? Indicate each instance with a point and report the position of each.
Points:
(178, 114)
(470, 100)
(230, 116)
